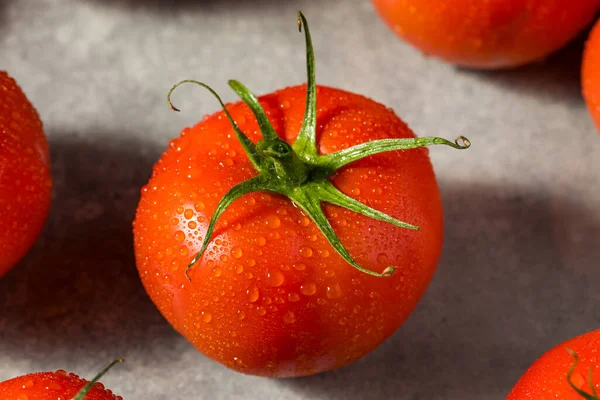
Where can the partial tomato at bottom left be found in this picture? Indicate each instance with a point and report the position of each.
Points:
(58, 385)
(25, 180)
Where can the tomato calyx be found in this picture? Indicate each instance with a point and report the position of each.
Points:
(298, 171)
(582, 393)
(84, 390)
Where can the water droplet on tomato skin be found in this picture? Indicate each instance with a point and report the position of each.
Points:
(306, 252)
(308, 289)
(334, 291)
(293, 297)
(179, 236)
(272, 221)
(252, 294)
(261, 311)
(275, 278)
(237, 252)
(289, 317)
(29, 383)
(206, 317)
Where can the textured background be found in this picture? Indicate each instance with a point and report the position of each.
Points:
(521, 262)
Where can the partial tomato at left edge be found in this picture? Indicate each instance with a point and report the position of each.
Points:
(590, 74)
(25, 180)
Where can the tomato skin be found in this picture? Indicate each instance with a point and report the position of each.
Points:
(546, 378)
(51, 386)
(270, 296)
(487, 34)
(25, 182)
(590, 74)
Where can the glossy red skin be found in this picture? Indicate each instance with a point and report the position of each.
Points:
(546, 379)
(251, 304)
(590, 74)
(25, 182)
(487, 34)
(51, 386)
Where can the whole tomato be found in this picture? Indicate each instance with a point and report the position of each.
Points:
(487, 34)
(56, 386)
(296, 277)
(590, 74)
(569, 371)
(25, 182)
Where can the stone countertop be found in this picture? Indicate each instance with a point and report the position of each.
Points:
(520, 263)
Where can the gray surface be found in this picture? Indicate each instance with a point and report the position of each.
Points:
(520, 266)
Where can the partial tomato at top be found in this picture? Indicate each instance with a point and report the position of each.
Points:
(590, 74)
(569, 371)
(288, 208)
(25, 182)
(487, 34)
(57, 385)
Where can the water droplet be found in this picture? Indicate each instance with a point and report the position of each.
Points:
(199, 206)
(382, 258)
(308, 289)
(206, 316)
(224, 258)
(192, 225)
(356, 191)
(324, 253)
(343, 321)
(241, 314)
(306, 252)
(267, 300)
(279, 300)
(239, 269)
(299, 266)
(228, 162)
(285, 104)
(251, 262)
(356, 309)
(252, 294)
(334, 291)
(175, 221)
(237, 252)
(189, 213)
(261, 241)
(289, 317)
(179, 236)
(179, 210)
(60, 372)
(261, 311)
(305, 221)
(329, 273)
(273, 221)
(183, 251)
(217, 272)
(321, 301)
(293, 297)
(275, 278)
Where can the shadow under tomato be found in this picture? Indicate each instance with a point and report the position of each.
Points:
(517, 276)
(78, 290)
(557, 77)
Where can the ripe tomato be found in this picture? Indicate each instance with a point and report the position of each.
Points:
(56, 386)
(25, 182)
(590, 74)
(487, 34)
(271, 296)
(547, 377)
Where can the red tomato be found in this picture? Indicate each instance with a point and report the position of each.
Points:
(590, 74)
(487, 34)
(547, 377)
(55, 386)
(25, 182)
(271, 296)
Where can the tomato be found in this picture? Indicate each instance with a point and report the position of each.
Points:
(547, 377)
(487, 34)
(590, 74)
(274, 292)
(56, 386)
(25, 182)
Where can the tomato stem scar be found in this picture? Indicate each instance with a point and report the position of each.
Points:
(298, 171)
(84, 390)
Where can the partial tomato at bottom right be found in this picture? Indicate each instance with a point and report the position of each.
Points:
(569, 371)
(590, 74)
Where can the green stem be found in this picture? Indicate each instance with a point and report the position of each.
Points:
(337, 160)
(582, 393)
(84, 390)
(298, 171)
